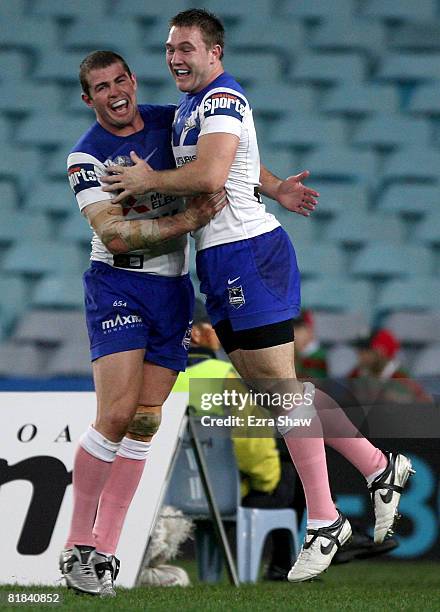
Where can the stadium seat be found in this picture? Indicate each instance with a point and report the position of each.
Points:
(9, 10)
(149, 10)
(10, 200)
(342, 164)
(381, 260)
(60, 67)
(328, 68)
(253, 33)
(412, 200)
(422, 10)
(354, 228)
(425, 99)
(337, 294)
(13, 300)
(79, 8)
(300, 229)
(241, 10)
(26, 97)
(415, 36)
(20, 225)
(299, 131)
(319, 259)
(70, 359)
(167, 93)
(56, 165)
(341, 359)
(14, 65)
(76, 228)
(348, 33)
(58, 290)
(52, 197)
(318, 9)
(392, 130)
(337, 198)
(361, 99)
(40, 257)
(185, 491)
(420, 293)
(300, 98)
(428, 230)
(247, 67)
(103, 32)
(16, 360)
(51, 327)
(50, 130)
(23, 166)
(414, 326)
(409, 67)
(338, 327)
(417, 164)
(151, 68)
(427, 362)
(30, 33)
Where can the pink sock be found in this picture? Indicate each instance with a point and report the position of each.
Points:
(115, 501)
(89, 476)
(308, 456)
(343, 436)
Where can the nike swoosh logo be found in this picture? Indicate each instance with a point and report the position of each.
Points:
(230, 282)
(389, 494)
(150, 155)
(326, 550)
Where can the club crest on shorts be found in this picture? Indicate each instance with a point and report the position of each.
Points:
(236, 296)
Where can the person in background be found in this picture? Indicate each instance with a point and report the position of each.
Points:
(310, 356)
(382, 378)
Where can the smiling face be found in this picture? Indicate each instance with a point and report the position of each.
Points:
(112, 95)
(192, 64)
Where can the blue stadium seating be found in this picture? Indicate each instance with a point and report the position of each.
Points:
(415, 327)
(78, 8)
(43, 129)
(23, 225)
(343, 164)
(415, 36)
(352, 227)
(52, 197)
(416, 164)
(319, 259)
(13, 300)
(352, 98)
(425, 100)
(428, 230)
(403, 9)
(428, 361)
(89, 34)
(41, 257)
(392, 130)
(337, 197)
(14, 65)
(413, 200)
(299, 98)
(60, 67)
(349, 34)
(403, 67)
(58, 291)
(419, 293)
(337, 294)
(328, 68)
(297, 131)
(253, 33)
(318, 8)
(383, 260)
(28, 33)
(76, 227)
(10, 200)
(26, 97)
(248, 67)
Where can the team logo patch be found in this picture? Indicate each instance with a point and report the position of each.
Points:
(82, 176)
(224, 103)
(236, 297)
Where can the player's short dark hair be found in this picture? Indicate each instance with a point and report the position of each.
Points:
(96, 60)
(210, 26)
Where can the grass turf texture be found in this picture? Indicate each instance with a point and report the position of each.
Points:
(365, 585)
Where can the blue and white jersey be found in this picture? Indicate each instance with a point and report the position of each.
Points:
(222, 107)
(98, 149)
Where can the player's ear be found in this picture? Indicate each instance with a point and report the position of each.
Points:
(216, 52)
(87, 100)
(134, 80)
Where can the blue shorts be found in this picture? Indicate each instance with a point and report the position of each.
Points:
(128, 310)
(251, 282)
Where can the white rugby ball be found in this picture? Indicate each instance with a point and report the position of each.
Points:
(164, 575)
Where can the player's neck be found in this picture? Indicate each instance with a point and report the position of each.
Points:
(127, 130)
(212, 77)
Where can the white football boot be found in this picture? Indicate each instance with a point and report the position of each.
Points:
(76, 565)
(107, 569)
(320, 546)
(385, 492)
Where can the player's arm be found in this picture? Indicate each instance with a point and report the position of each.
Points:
(290, 193)
(122, 236)
(206, 174)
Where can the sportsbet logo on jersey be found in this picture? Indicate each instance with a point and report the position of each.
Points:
(82, 176)
(224, 103)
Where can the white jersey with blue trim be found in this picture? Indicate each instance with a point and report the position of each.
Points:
(98, 149)
(223, 107)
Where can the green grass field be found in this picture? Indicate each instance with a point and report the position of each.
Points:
(383, 586)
